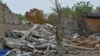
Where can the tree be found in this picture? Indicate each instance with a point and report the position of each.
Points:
(66, 11)
(58, 28)
(21, 17)
(98, 9)
(52, 18)
(35, 16)
(82, 7)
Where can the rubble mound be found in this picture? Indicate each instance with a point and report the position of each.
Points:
(40, 41)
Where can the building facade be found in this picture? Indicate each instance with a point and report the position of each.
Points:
(93, 21)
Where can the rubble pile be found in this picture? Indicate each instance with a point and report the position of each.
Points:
(40, 39)
(91, 42)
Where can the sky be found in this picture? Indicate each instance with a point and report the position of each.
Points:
(21, 6)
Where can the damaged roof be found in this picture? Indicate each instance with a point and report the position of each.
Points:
(93, 15)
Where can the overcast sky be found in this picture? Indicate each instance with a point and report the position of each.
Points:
(21, 6)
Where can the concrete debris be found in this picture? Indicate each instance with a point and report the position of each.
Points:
(76, 35)
(39, 39)
(17, 52)
(13, 43)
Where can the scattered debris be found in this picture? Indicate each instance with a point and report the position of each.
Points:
(76, 35)
(40, 39)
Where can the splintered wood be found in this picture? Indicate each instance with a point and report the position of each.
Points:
(86, 43)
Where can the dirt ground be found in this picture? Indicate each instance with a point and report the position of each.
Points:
(83, 53)
(79, 53)
(70, 52)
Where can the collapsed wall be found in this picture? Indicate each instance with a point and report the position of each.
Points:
(6, 16)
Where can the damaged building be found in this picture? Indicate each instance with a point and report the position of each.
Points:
(93, 21)
(7, 16)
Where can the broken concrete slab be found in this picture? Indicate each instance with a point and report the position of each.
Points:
(13, 43)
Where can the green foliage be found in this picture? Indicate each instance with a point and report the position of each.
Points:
(21, 17)
(52, 18)
(82, 7)
(98, 9)
(66, 11)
